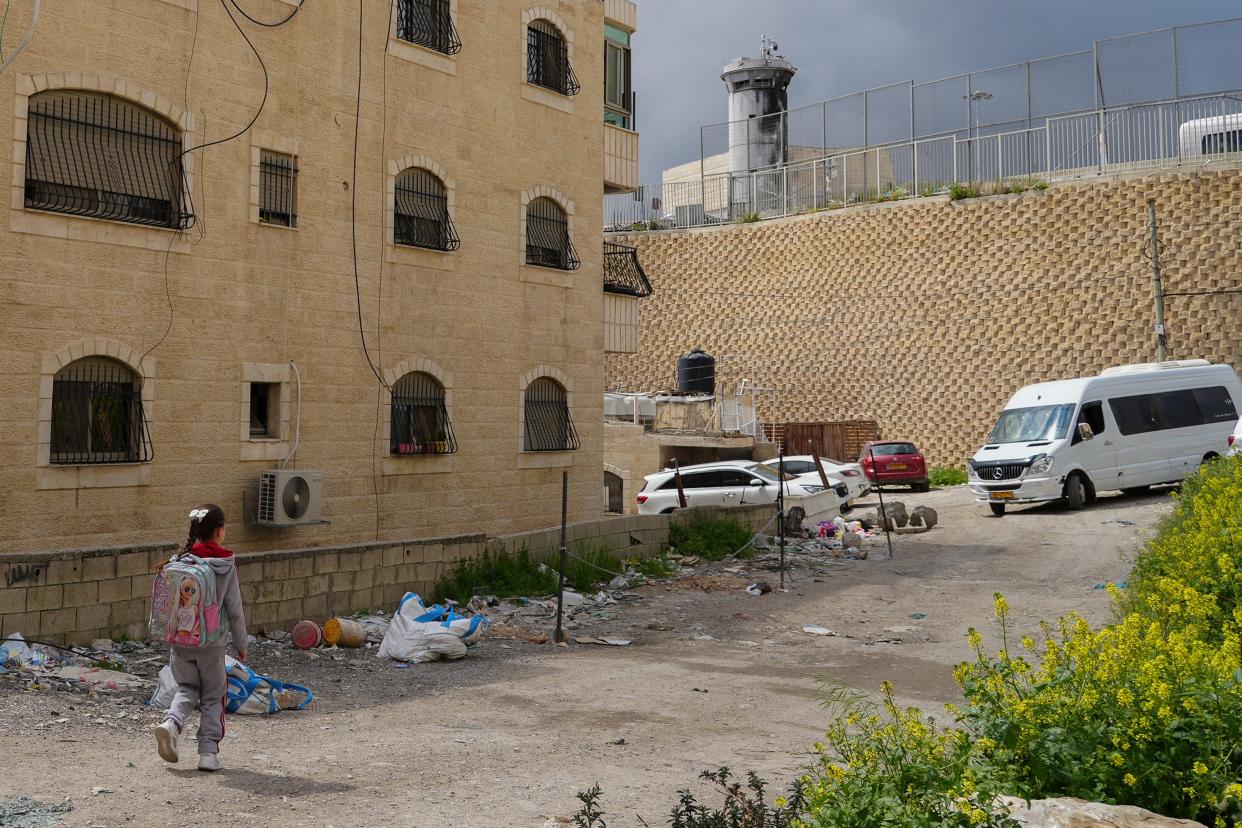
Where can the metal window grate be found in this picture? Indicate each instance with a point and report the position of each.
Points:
(278, 189)
(548, 426)
(547, 236)
(97, 415)
(428, 23)
(90, 154)
(547, 59)
(420, 421)
(623, 273)
(421, 212)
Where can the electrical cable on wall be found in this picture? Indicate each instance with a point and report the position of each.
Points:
(263, 23)
(21, 47)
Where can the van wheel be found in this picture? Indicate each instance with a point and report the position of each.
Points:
(1208, 458)
(998, 509)
(1075, 492)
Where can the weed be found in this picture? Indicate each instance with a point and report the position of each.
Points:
(744, 805)
(112, 664)
(590, 815)
(501, 573)
(638, 226)
(957, 192)
(707, 537)
(947, 476)
(749, 218)
(590, 566)
(929, 190)
(660, 567)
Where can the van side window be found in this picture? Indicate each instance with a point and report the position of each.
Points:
(1134, 415)
(1177, 409)
(1093, 415)
(1216, 404)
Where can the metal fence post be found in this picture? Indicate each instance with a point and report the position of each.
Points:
(1000, 160)
(785, 189)
(1101, 140)
(914, 153)
(1047, 149)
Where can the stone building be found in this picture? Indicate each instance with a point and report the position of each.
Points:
(363, 245)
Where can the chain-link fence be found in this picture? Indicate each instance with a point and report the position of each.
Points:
(1138, 101)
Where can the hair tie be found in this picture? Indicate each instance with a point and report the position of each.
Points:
(198, 514)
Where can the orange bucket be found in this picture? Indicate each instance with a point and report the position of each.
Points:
(343, 632)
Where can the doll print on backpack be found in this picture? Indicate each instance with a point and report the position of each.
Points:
(189, 625)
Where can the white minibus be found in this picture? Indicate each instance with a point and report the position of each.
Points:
(1129, 428)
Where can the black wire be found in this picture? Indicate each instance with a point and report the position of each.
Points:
(1217, 292)
(275, 25)
(353, 210)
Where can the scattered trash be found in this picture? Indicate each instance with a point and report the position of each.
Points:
(1119, 522)
(612, 642)
(815, 629)
(419, 633)
(248, 693)
(620, 741)
(97, 790)
(618, 582)
(698, 690)
(918, 616)
(656, 625)
(759, 588)
(306, 635)
(1118, 584)
(573, 599)
(691, 560)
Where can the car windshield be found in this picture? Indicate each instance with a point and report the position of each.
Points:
(769, 472)
(1027, 425)
(889, 449)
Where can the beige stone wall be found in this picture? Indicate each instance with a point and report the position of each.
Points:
(199, 311)
(927, 315)
(78, 596)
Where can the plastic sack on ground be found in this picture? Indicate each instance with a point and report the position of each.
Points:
(15, 648)
(420, 633)
(248, 692)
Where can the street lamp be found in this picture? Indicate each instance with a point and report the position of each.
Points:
(973, 103)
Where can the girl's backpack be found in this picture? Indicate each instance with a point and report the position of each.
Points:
(185, 605)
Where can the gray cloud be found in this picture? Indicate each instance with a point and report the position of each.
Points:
(844, 46)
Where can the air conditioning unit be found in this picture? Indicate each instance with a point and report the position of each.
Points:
(288, 497)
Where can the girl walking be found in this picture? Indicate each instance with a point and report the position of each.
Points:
(199, 670)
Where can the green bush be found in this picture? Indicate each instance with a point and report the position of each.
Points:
(708, 537)
(947, 476)
(504, 574)
(749, 218)
(957, 192)
(655, 567)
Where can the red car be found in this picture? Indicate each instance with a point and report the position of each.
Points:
(896, 462)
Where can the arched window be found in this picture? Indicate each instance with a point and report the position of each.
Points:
(421, 215)
(547, 59)
(547, 236)
(428, 23)
(97, 414)
(420, 421)
(614, 493)
(92, 154)
(548, 426)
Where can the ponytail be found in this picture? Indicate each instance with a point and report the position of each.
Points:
(204, 521)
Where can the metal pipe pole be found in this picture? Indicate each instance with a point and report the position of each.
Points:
(780, 508)
(880, 494)
(1157, 287)
(559, 636)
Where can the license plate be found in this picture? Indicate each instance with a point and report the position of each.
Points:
(897, 467)
(1002, 495)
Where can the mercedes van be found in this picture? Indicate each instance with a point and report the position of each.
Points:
(1129, 428)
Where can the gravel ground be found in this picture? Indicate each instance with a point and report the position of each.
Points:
(508, 735)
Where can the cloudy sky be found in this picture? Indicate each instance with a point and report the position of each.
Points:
(843, 46)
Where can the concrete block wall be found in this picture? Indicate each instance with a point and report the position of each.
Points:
(79, 595)
(927, 315)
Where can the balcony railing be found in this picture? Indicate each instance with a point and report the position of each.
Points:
(623, 273)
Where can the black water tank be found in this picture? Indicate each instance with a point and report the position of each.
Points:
(696, 373)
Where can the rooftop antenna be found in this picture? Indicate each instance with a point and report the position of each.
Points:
(768, 48)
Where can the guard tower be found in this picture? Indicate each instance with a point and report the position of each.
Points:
(758, 90)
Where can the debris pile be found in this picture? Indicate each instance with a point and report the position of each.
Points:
(102, 668)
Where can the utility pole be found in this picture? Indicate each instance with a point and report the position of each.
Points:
(1157, 288)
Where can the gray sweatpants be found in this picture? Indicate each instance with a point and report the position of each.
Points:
(201, 682)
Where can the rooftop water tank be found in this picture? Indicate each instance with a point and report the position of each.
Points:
(696, 373)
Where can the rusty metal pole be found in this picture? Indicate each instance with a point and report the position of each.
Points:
(880, 494)
(681, 491)
(780, 509)
(559, 636)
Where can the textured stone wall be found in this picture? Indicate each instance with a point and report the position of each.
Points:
(927, 315)
(234, 300)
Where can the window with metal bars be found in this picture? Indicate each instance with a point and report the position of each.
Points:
(547, 236)
(421, 215)
(95, 155)
(547, 59)
(420, 421)
(623, 273)
(548, 426)
(97, 414)
(428, 23)
(278, 189)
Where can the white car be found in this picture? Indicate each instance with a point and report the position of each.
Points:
(802, 466)
(1235, 441)
(727, 483)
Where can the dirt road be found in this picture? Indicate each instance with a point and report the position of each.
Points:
(506, 737)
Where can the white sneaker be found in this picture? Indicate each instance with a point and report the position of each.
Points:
(166, 736)
(209, 762)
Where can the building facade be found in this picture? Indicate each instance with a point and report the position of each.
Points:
(345, 272)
